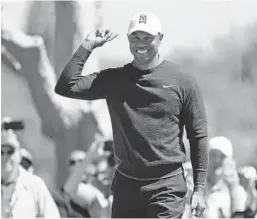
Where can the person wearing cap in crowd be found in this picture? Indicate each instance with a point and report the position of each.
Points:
(219, 148)
(22, 193)
(150, 101)
(224, 194)
(27, 160)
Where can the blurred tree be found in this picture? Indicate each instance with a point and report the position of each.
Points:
(62, 119)
(246, 75)
(41, 21)
(70, 123)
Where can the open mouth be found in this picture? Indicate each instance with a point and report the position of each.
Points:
(142, 51)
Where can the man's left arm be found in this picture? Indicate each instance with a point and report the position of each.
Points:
(195, 121)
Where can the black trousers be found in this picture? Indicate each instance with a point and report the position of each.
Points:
(162, 198)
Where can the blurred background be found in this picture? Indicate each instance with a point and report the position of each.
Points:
(214, 40)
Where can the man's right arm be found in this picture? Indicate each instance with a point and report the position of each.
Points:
(72, 84)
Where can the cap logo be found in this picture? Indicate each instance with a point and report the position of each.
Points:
(142, 19)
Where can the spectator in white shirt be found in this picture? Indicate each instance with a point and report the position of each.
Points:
(22, 193)
(224, 193)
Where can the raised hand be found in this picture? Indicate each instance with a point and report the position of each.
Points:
(99, 37)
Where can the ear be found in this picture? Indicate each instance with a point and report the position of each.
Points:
(161, 37)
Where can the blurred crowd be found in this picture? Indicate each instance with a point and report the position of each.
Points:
(231, 190)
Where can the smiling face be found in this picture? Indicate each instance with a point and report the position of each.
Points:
(10, 160)
(144, 47)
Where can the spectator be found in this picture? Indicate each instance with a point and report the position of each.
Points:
(67, 206)
(27, 160)
(78, 197)
(105, 169)
(247, 176)
(22, 193)
(224, 193)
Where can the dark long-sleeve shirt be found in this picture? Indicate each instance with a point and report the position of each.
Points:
(149, 110)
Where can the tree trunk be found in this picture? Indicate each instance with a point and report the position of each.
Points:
(71, 124)
(62, 119)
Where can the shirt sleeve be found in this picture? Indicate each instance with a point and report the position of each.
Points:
(74, 85)
(194, 117)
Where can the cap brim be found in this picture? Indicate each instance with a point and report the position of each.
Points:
(142, 29)
(220, 149)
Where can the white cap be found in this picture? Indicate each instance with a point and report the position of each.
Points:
(145, 21)
(222, 144)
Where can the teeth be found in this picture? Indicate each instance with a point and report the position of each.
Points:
(142, 51)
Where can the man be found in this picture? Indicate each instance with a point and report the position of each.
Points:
(224, 194)
(219, 149)
(68, 207)
(105, 169)
(22, 193)
(247, 177)
(150, 102)
(78, 197)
